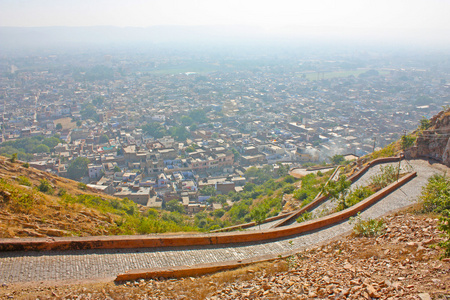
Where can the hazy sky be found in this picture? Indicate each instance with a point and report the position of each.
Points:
(415, 20)
(371, 14)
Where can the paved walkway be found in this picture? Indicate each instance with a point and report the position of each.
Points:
(18, 267)
(300, 172)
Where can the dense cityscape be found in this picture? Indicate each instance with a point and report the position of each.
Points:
(158, 128)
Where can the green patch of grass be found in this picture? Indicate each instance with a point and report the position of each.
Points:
(336, 74)
(130, 220)
(387, 151)
(22, 180)
(16, 199)
(312, 184)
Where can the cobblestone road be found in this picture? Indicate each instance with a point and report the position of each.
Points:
(18, 267)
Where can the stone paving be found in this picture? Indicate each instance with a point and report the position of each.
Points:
(18, 267)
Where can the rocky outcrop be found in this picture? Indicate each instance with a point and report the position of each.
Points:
(434, 142)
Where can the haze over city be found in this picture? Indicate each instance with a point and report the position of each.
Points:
(254, 129)
(418, 23)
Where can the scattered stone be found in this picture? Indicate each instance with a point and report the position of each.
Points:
(424, 296)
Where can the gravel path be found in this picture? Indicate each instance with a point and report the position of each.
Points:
(96, 264)
(304, 172)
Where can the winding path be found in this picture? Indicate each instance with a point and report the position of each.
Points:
(17, 267)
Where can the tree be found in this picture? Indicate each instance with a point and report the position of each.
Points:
(79, 123)
(258, 215)
(103, 139)
(249, 186)
(180, 133)
(155, 129)
(89, 112)
(41, 149)
(198, 115)
(58, 126)
(407, 141)
(282, 170)
(175, 205)
(208, 191)
(190, 149)
(78, 168)
(295, 118)
(186, 121)
(98, 101)
(117, 169)
(424, 123)
(337, 159)
(193, 127)
(51, 142)
(235, 153)
(338, 190)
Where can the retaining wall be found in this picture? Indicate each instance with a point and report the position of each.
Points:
(156, 241)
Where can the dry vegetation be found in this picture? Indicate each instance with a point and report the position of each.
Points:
(25, 212)
(66, 123)
(402, 263)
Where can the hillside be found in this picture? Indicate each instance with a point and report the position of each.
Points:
(402, 264)
(27, 212)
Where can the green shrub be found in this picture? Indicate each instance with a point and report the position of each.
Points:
(62, 192)
(45, 187)
(305, 217)
(338, 190)
(407, 141)
(82, 186)
(26, 165)
(387, 175)
(424, 123)
(367, 228)
(436, 198)
(288, 189)
(13, 158)
(24, 180)
(355, 197)
(436, 194)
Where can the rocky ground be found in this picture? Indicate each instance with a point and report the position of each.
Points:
(403, 263)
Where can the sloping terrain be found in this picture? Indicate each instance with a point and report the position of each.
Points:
(403, 263)
(25, 211)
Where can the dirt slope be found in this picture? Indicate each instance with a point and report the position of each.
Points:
(26, 212)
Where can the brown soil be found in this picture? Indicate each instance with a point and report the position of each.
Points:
(403, 263)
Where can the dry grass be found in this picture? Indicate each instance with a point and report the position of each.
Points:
(66, 123)
(47, 215)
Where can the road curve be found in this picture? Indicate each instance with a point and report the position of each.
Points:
(18, 267)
